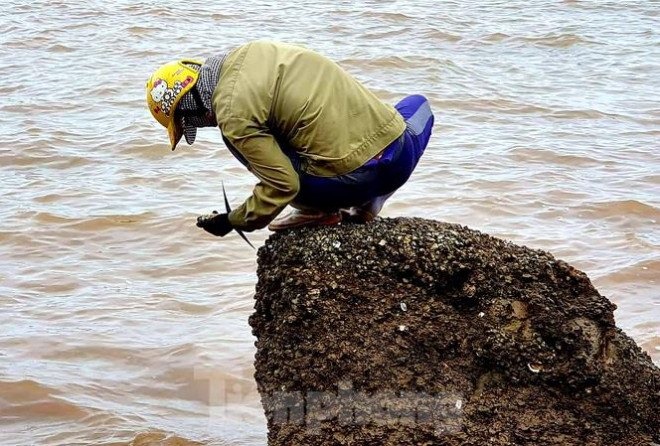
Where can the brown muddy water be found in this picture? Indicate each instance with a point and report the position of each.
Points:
(123, 323)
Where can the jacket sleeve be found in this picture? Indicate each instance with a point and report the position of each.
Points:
(278, 181)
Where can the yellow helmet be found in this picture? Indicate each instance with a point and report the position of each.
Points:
(165, 89)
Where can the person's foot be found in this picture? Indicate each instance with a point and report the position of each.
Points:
(357, 214)
(298, 218)
(365, 213)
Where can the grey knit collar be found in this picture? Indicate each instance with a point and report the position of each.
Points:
(209, 75)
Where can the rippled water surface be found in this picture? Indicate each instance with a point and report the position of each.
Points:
(122, 323)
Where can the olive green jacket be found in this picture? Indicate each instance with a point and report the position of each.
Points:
(272, 96)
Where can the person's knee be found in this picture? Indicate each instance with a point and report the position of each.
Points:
(417, 98)
(408, 105)
(416, 111)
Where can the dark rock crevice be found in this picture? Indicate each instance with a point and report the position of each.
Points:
(413, 332)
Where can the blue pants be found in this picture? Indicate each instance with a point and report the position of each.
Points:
(378, 177)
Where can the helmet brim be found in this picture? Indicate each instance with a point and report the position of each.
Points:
(175, 132)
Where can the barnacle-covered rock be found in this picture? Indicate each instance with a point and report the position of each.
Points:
(415, 332)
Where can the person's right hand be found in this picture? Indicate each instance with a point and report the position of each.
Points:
(214, 223)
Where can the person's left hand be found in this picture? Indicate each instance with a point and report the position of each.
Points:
(214, 223)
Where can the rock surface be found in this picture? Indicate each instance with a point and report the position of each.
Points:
(415, 332)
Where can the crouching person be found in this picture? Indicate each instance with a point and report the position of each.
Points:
(315, 137)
